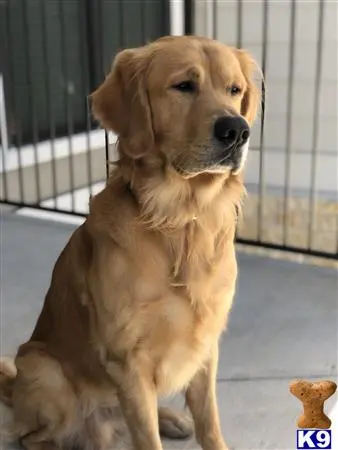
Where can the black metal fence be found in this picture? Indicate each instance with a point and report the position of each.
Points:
(54, 52)
(292, 174)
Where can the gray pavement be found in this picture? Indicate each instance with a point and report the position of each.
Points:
(283, 326)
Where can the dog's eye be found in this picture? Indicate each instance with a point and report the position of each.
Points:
(234, 90)
(185, 86)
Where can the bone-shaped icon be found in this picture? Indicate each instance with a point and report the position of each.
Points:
(313, 396)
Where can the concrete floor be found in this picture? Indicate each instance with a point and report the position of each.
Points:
(283, 326)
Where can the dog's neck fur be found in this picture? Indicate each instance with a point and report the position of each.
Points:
(168, 202)
(195, 218)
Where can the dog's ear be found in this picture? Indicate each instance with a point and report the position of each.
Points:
(252, 95)
(121, 102)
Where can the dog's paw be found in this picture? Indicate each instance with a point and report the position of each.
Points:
(173, 425)
(7, 367)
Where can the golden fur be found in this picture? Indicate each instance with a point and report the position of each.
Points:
(141, 293)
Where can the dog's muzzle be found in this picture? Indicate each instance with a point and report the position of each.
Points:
(226, 150)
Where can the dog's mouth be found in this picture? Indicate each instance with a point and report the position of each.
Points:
(238, 158)
(231, 162)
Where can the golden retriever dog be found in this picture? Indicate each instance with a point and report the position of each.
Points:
(142, 291)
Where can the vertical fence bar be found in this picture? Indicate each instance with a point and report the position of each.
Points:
(4, 139)
(90, 44)
(102, 67)
(101, 38)
(106, 143)
(68, 110)
(99, 49)
(239, 22)
(262, 182)
(143, 21)
(84, 17)
(315, 126)
(88, 149)
(14, 101)
(214, 19)
(93, 49)
(189, 17)
(32, 103)
(289, 121)
(121, 21)
(49, 99)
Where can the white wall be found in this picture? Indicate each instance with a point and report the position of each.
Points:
(278, 47)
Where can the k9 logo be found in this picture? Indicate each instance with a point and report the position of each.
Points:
(316, 439)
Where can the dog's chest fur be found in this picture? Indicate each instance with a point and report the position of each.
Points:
(195, 311)
(181, 295)
(166, 295)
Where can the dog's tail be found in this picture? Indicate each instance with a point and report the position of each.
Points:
(8, 374)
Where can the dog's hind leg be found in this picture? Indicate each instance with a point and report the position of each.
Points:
(44, 402)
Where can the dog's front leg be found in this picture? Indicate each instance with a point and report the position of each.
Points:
(201, 399)
(138, 399)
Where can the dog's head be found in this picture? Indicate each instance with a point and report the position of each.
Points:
(188, 100)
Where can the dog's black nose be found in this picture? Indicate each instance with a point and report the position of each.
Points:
(231, 131)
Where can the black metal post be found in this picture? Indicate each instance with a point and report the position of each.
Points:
(49, 97)
(189, 17)
(14, 101)
(31, 99)
(239, 22)
(262, 150)
(68, 102)
(315, 126)
(289, 122)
